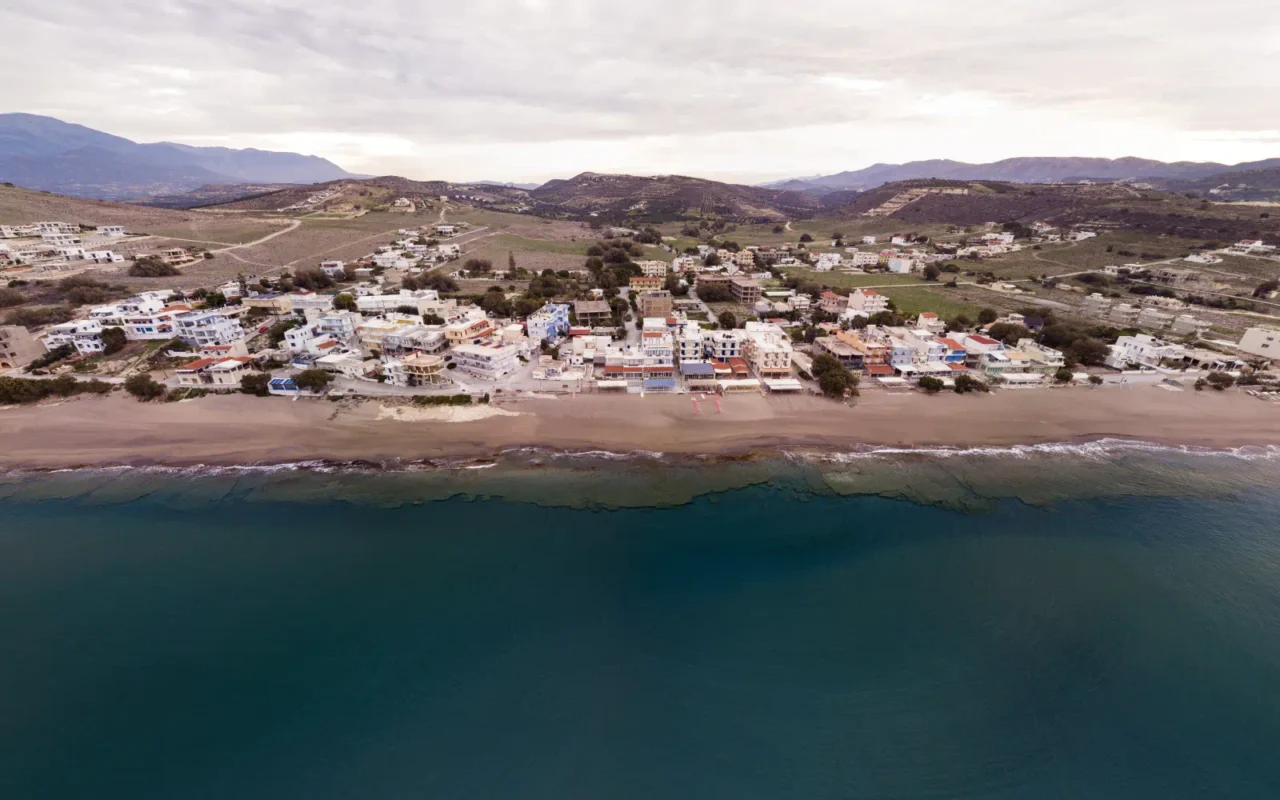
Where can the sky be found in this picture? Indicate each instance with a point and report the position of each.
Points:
(739, 90)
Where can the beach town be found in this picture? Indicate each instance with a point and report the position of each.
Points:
(709, 321)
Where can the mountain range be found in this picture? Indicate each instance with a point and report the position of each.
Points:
(1018, 170)
(44, 153)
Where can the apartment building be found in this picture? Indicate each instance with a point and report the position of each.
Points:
(468, 331)
(767, 350)
(867, 302)
(653, 269)
(489, 360)
(548, 323)
(1263, 342)
(1142, 350)
(645, 283)
(722, 345)
(1095, 305)
(85, 335)
(201, 328)
(655, 304)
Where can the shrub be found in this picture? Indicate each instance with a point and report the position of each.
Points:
(10, 298)
(930, 384)
(1220, 380)
(968, 383)
(52, 357)
(1063, 375)
(256, 384)
(443, 400)
(29, 390)
(144, 387)
(1095, 380)
(152, 268)
(833, 379)
(345, 302)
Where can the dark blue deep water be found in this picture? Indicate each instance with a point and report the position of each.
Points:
(757, 643)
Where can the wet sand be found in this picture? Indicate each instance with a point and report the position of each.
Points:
(241, 430)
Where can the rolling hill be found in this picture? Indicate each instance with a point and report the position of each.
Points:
(628, 197)
(1018, 170)
(51, 155)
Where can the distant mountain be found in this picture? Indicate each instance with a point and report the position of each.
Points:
(620, 197)
(49, 154)
(1243, 185)
(528, 187)
(1017, 170)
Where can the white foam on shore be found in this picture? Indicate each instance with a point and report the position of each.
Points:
(1101, 449)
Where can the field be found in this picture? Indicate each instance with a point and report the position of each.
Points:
(911, 300)
(845, 280)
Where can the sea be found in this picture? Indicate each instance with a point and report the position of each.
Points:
(1074, 621)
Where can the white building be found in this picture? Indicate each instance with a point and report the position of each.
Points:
(489, 360)
(202, 328)
(85, 335)
(901, 266)
(827, 262)
(1143, 350)
(550, 322)
(868, 240)
(867, 302)
(653, 269)
(767, 350)
(111, 231)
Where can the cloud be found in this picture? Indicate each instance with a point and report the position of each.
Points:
(532, 89)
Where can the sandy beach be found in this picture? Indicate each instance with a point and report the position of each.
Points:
(239, 430)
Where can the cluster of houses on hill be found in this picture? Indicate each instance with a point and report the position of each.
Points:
(58, 246)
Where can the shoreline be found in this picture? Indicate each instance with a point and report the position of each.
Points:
(237, 430)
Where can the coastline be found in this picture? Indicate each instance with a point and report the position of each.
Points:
(239, 430)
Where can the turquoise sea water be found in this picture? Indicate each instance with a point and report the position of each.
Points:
(770, 633)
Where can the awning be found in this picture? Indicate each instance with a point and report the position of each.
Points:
(892, 382)
(879, 369)
(654, 384)
(611, 384)
(784, 385)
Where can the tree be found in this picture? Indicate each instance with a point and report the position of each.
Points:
(113, 340)
(778, 229)
(930, 384)
(1088, 351)
(478, 265)
(968, 383)
(407, 309)
(312, 279)
(345, 302)
(315, 380)
(511, 261)
(1220, 380)
(960, 322)
(441, 283)
(1095, 380)
(256, 383)
(1063, 375)
(987, 316)
(432, 319)
(727, 320)
(1265, 288)
(931, 272)
(712, 260)
(833, 379)
(1008, 332)
(143, 387)
(806, 238)
(275, 334)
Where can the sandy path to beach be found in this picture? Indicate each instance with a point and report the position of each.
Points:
(238, 429)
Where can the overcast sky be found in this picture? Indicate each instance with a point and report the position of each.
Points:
(526, 90)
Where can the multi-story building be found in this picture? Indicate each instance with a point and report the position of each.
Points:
(1151, 318)
(1144, 351)
(745, 291)
(689, 343)
(490, 360)
(468, 331)
(859, 258)
(867, 302)
(1124, 314)
(1095, 305)
(593, 313)
(655, 304)
(405, 339)
(1045, 359)
(111, 231)
(416, 369)
(1187, 325)
(222, 374)
(722, 345)
(653, 269)
(202, 328)
(767, 350)
(341, 325)
(85, 335)
(646, 283)
(548, 323)
(17, 347)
